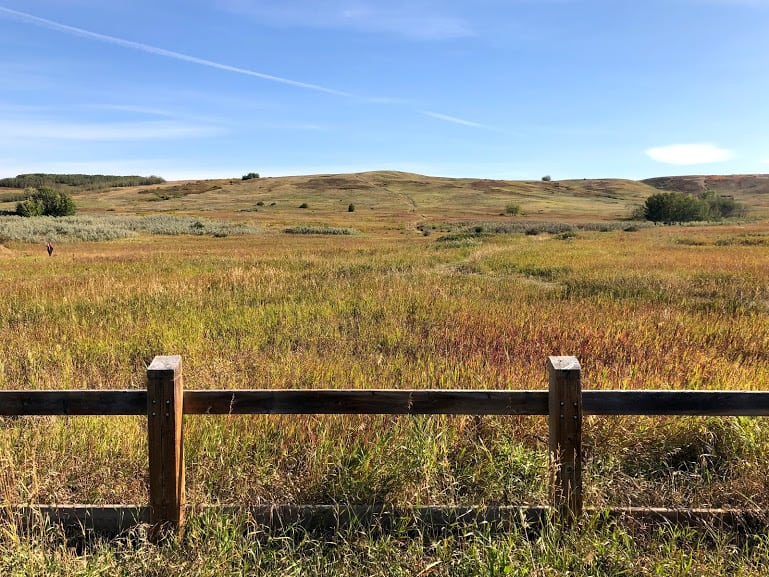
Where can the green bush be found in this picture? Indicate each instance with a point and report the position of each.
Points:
(513, 209)
(351, 208)
(250, 175)
(46, 202)
(669, 207)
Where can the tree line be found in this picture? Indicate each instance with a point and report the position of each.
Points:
(77, 181)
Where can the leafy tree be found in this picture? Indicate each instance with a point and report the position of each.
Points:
(546, 178)
(250, 175)
(46, 202)
(723, 206)
(670, 207)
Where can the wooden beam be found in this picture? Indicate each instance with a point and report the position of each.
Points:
(701, 403)
(365, 401)
(565, 424)
(115, 519)
(109, 520)
(166, 452)
(73, 402)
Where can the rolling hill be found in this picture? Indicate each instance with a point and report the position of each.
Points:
(381, 197)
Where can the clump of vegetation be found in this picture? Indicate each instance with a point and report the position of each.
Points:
(670, 207)
(546, 178)
(250, 176)
(304, 205)
(351, 207)
(513, 209)
(330, 230)
(46, 202)
(101, 228)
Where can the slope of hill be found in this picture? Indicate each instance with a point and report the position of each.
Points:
(387, 198)
(377, 196)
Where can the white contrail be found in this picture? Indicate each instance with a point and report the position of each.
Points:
(52, 25)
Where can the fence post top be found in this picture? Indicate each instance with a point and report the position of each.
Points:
(564, 363)
(165, 363)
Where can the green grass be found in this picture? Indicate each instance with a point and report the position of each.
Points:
(230, 545)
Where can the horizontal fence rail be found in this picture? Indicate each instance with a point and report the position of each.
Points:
(165, 401)
(386, 402)
(365, 402)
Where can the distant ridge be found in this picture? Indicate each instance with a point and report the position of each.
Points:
(724, 184)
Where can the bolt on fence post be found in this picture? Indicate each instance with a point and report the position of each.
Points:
(165, 395)
(565, 418)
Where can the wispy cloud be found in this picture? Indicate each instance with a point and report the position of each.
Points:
(74, 31)
(455, 120)
(27, 130)
(423, 20)
(683, 154)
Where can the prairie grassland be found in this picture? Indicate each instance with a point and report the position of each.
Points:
(665, 307)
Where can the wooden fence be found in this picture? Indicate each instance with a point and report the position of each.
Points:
(165, 402)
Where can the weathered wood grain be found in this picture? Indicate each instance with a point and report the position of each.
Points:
(73, 402)
(365, 401)
(565, 424)
(164, 442)
(702, 403)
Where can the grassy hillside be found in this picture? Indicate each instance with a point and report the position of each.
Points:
(668, 307)
(388, 198)
(404, 196)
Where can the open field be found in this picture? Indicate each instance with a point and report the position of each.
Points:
(436, 288)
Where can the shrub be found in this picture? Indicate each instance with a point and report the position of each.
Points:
(330, 230)
(351, 208)
(304, 205)
(546, 178)
(46, 202)
(671, 207)
(513, 209)
(250, 175)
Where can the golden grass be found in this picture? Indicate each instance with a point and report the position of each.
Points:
(663, 307)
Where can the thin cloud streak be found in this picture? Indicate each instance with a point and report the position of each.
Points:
(119, 131)
(74, 31)
(455, 120)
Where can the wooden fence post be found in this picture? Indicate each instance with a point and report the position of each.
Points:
(565, 415)
(165, 395)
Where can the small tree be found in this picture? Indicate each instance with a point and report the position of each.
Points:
(47, 202)
(670, 207)
(546, 178)
(250, 175)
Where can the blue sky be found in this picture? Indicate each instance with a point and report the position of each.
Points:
(512, 89)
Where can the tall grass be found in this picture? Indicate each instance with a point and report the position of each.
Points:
(639, 310)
